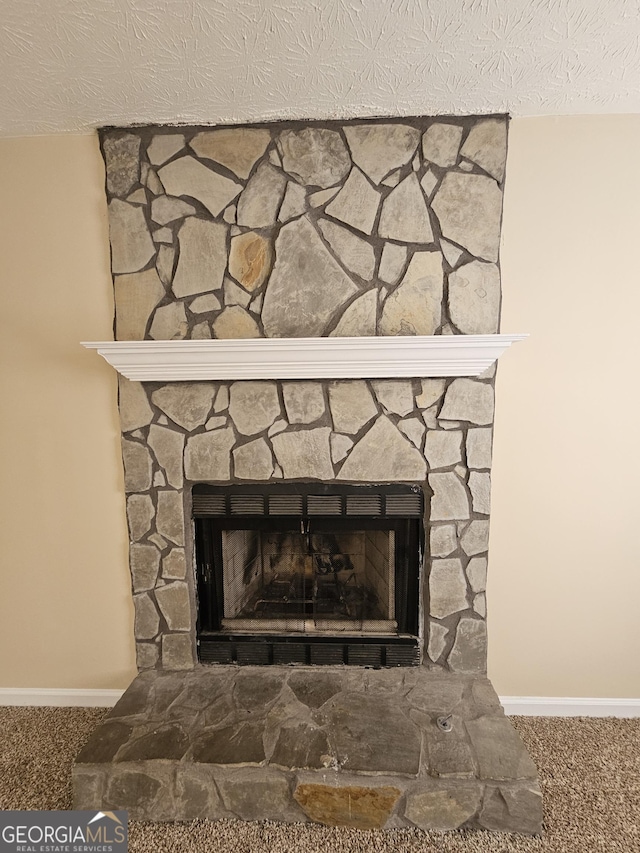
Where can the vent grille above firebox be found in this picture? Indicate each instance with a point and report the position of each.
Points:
(307, 501)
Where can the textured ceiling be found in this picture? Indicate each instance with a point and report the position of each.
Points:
(72, 65)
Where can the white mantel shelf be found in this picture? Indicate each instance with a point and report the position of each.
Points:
(304, 358)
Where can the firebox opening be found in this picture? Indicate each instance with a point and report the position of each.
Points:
(308, 563)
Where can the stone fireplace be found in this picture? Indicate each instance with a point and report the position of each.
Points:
(301, 523)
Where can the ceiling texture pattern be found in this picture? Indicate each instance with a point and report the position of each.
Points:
(72, 65)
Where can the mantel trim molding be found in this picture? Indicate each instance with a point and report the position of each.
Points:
(304, 358)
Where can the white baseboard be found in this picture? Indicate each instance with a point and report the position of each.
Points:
(526, 706)
(59, 696)
(569, 706)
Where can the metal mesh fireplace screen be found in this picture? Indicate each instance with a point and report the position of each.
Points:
(319, 563)
(309, 581)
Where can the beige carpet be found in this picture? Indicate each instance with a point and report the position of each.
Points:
(590, 774)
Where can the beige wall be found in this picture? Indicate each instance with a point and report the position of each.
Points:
(564, 567)
(65, 606)
(564, 577)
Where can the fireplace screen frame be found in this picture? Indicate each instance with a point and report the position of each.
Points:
(308, 506)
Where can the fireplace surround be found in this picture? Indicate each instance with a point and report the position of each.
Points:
(386, 228)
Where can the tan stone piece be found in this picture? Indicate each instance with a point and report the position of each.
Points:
(250, 259)
(437, 640)
(131, 245)
(237, 148)
(234, 294)
(469, 652)
(441, 143)
(177, 651)
(357, 203)
(254, 406)
(144, 561)
(205, 304)
(415, 306)
(137, 466)
(442, 540)
(392, 262)
(235, 322)
(260, 200)
(187, 404)
(174, 565)
(413, 429)
(203, 257)
(479, 447)
(469, 208)
(301, 306)
(443, 449)
(467, 400)
(122, 161)
(379, 148)
(475, 539)
(147, 618)
(135, 411)
(169, 323)
(170, 516)
(444, 809)
(359, 318)
(352, 251)
(480, 488)
(140, 514)
(432, 390)
(201, 331)
(293, 203)
(163, 146)
(165, 209)
(173, 601)
(383, 454)
(394, 395)
(447, 588)
(486, 145)
(164, 263)
(304, 453)
(304, 401)
(356, 806)
(477, 573)
(352, 405)
(168, 447)
(474, 298)
(450, 501)
(404, 216)
(253, 461)
(314, 156)
(207, 456)
(340, 446)
(187, 176)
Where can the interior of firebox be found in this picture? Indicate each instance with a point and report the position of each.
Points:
(309, 579)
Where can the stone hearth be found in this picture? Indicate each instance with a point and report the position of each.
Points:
(294, 230)
(341, 746)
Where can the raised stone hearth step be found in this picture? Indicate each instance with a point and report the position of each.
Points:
(345, 747)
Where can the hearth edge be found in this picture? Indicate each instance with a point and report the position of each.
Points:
(158, 757)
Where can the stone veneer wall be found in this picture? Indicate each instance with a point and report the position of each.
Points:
(287, 230)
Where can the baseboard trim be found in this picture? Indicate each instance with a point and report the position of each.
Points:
(569, 706)
(525, 706)
(59, 696)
